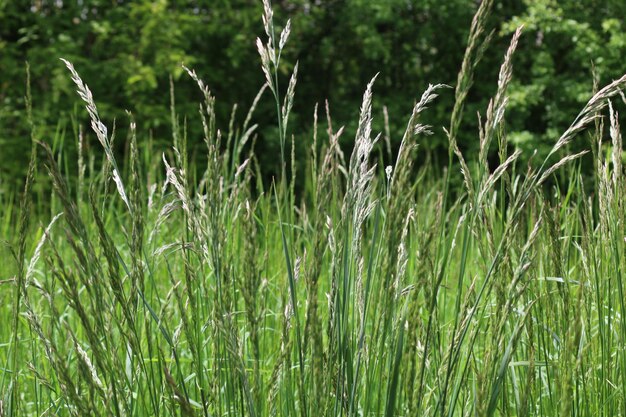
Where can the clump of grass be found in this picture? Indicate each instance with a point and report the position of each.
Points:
(375, 292)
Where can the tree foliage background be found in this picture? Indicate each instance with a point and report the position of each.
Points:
(128, 50)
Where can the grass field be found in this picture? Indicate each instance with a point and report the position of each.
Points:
(143, 289)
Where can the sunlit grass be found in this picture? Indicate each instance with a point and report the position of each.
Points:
(139, 290)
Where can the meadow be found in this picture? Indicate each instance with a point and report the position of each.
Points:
(159, 285)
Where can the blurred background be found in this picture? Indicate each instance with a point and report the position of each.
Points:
(126, 51)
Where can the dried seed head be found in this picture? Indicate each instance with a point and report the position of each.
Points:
(284, 35)
(268, 15)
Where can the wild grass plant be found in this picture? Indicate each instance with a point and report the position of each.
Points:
(141, 290)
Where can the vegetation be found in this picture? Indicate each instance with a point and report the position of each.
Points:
(128, 50)
(184, 284)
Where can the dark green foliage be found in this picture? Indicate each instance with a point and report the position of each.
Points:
(127, 51)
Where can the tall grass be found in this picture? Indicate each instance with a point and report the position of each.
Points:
(144, 291)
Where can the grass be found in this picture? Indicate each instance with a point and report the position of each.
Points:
(141, 290)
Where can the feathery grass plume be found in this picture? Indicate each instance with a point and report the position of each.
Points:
(268, 14)
(93, 373)
(357, 205)
(265, 64)
(176, 177)
(314, 158)
(99, 128)
(403, 256)
(246, 128)
(30, 271)
(270, 54)
(230, 138)
(468, 182)
(239, 141)
(292, 188)
(209, 106)
(497, 105)
(476, 46)
(401, 187)
(589, 112)
(288, 101)
(562, 162)
(404, 163)
(137, 220)
(348, 257)
(616, 138)
(284, 35)
(387, 135)
(492, 179)
(493, 123)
